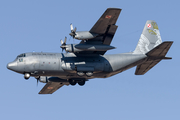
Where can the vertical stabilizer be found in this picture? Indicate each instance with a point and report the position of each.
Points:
(150, 38)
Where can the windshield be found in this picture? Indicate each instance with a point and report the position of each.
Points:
(22, 55)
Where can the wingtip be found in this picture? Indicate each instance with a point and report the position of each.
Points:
(114, 8)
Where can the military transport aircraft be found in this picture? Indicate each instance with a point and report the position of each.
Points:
(86, 60)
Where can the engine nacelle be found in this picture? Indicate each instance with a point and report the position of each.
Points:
(84, 35)
(74, 48)
(45, 79)
(71, 48)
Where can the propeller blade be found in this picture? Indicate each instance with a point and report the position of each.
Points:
(65, 40)
(37, 82)
(61, 42)
(75, 30)
(71, 26)
(71, 34)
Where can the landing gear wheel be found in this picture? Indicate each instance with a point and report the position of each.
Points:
(81, 83)
(27, 76)
(72, 82)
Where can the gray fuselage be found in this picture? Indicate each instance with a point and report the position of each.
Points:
(67, 65)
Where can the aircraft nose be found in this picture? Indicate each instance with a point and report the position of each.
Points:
(12, 65)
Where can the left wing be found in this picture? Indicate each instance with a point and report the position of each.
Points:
(51, 87)
(106, 29)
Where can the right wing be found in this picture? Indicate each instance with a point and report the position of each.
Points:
(51, 87)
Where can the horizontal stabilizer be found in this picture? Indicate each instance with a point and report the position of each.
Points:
(153, 57)
(146, 66)
(161, 50)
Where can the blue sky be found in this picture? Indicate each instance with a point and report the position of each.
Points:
(27, 26)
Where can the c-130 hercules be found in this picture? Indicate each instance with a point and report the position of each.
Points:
(86, 60)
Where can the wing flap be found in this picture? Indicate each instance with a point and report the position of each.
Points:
(109, 34)
(51, 87)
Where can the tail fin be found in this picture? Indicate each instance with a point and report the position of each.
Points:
(150, 43)
(150, 38)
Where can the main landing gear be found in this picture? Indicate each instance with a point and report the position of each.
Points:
(80, 82)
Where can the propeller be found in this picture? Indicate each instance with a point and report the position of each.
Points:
(37, 81)
(63, 44)
(73, 32)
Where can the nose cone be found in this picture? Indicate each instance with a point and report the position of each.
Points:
(12, 66)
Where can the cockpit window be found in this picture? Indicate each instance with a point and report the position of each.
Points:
(22, 55)
(21, 60)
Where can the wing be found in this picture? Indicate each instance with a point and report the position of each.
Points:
(51, 87)
(106, 29)
(154, 57)
(109, 17)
